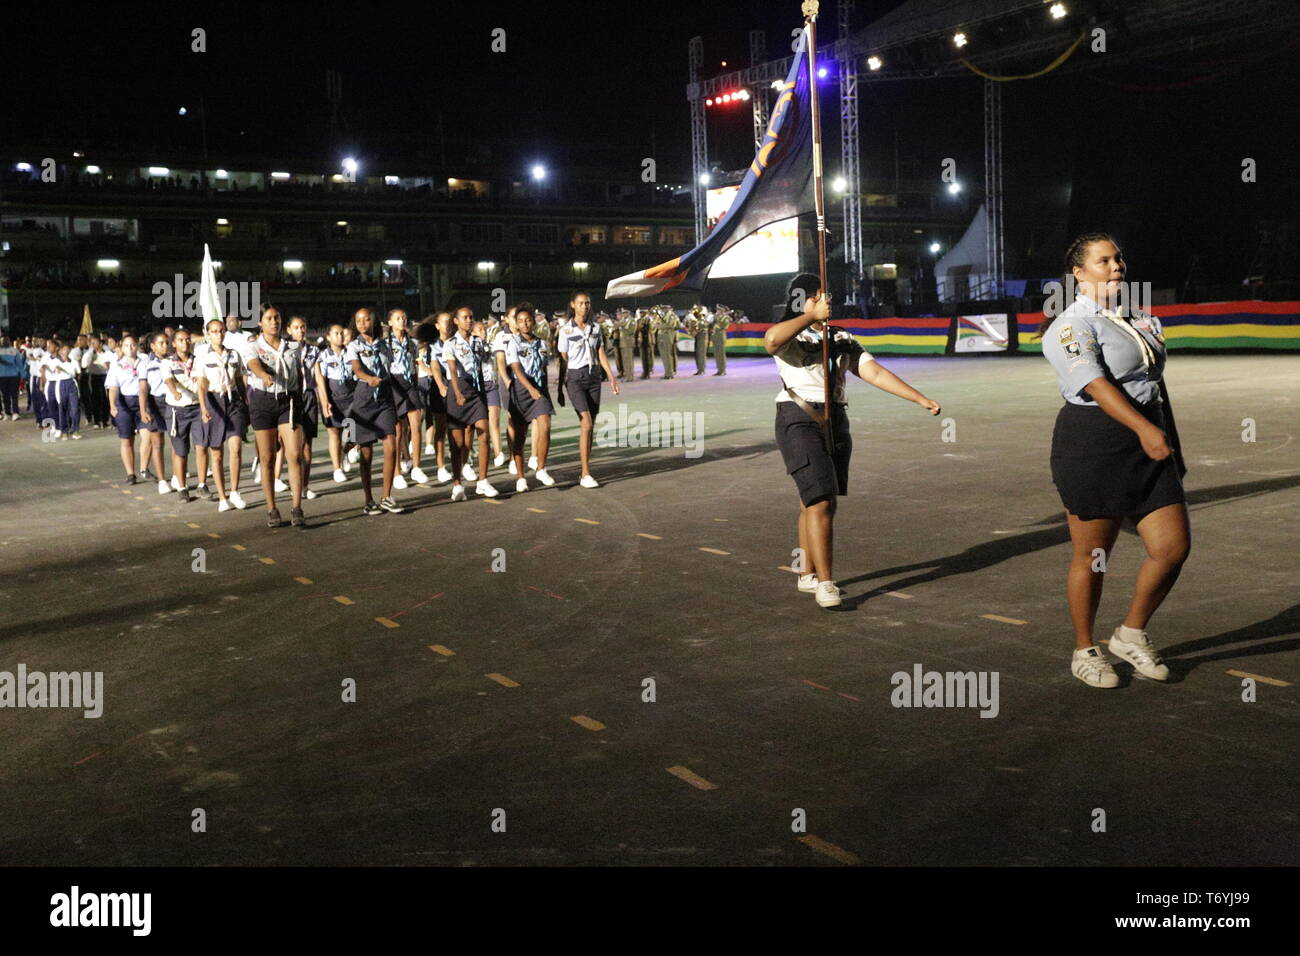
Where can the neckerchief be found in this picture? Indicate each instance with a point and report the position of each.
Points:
(532, 356)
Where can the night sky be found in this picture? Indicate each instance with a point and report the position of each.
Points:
(1108, 147)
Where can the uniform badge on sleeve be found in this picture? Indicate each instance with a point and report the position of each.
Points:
(1067, 334)
(1072, 348)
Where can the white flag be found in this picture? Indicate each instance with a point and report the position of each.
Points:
(209, 300)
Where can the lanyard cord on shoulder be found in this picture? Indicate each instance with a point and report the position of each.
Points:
(1148, 355)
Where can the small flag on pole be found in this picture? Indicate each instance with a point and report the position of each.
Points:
(778, 185)
(87, 327)
(208, 297)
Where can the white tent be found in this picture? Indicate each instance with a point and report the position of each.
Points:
(962, 273)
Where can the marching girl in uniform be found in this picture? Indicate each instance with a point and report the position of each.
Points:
(59, 380)
(530, 401)
(1115, 455)
(311, 405)
(430, 335)
(123, 386)
(35, 354)
(408, 403)
(275, 384)
(820, 474)
(151, 413)
(223, 411)
(581, 348)
(372, 412)
(492, 332)
(334, 382)
(182, 408)
(466, 405)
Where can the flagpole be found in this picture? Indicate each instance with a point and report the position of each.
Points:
(810, 9)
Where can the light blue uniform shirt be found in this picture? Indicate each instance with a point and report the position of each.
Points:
(1082, 343)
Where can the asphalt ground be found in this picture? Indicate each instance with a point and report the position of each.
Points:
(223, 690)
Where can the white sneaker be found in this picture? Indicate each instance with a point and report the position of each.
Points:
(521, 485)
(485, 489)
(444, 475)
(1139, 652)
(354, 455)
(163, 488)
(176, 484)
(399, 482)
(589, 482)
(513, 469)
(1091, 667)
(13, 416)
(532, 462)
(309, 494)
(339, 476)
(406, 466)
(828, 594)
(419, 477)
(429, 449)
(280, 486)
(237, 500)
(468, 474)
(224, 506)
(808, 584)
(498, 460)
(457, 492)
(544, 477)
(347, 465)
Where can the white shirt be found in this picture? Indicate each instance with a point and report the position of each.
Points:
(220, 371)
(800, 363)
(235, 340)
(124, 375)
(283, 363)
(579, 347)
(59, 370)
(183, 373)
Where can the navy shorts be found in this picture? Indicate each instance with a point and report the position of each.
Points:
(583, 387)
(229, 420)
(267, 411)
(182, 426)
(817, 474)
(128, 416)
(157, 422)
(310, 423)
(434, 402)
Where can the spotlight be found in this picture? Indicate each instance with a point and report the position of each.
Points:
(705, 179)
(539, 172)
(182, 111)
(959, 39)
(935, 247)
(350, 165)
(874, 63)
(954, 188)
(840, 184)
(1057, 11)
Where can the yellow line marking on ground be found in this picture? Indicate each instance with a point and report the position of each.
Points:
(344, 599)
(714, 551)
(587, 722)
(586, 521)
(502, 679)
(836, 853)
(1004, 620)
(387, 622)
(649, 537)
(721, 519)
(125, 492)
(1262, 680)
(492, 501)
(213, 534)
(267, 560)
(538, 511)
(693, 779)
(85, 470)
(907, 597)
(786, 567)
(440, 649)
(191, 524)
(303, 580)
(239, 547)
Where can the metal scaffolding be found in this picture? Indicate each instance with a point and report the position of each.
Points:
(993, 241)
(849, 161)
(699, 139)
(758, 95)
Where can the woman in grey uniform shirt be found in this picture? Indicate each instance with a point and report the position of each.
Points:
(1115, 455)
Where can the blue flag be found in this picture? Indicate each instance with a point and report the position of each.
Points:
(778, 185)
